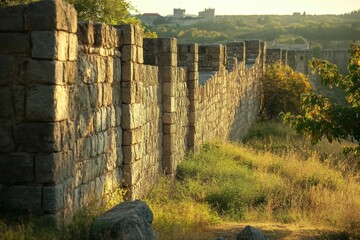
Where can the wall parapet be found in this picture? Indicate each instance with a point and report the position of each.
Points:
(87, 107)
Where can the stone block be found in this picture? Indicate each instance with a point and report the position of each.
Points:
(117, 70)
(167, 59)
(50, 45)
(127, 71)
(17, 168)
(6, 136)
(70, 71)
(38, 137)
(19, 103)
(167, 74)
(7, 105)
(7, 69)
(73, 45)
(167, 45)
(53, 198)
(131, 154)
(49, 167)
(132, 136)
(168, 89)
(11, 19)
(101, 70)
(132, 116)
(14, 43)
(127, 34)
(140, 55)
(129, 53)
(169, 118)
(47, 103)
(85, 33)
(169, 128)
(51, 15)
(169, 104)
(132, 173)
(21, 198)
(131, 92)
(43, 71)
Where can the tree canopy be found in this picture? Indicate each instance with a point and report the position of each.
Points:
(107, 11)
(323, 118)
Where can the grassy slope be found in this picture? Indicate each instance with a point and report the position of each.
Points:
(277, 179)
(276, 182)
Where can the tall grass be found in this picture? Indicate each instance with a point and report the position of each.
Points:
(274, 178)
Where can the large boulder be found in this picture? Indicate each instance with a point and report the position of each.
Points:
(250, 233)
(127, 221)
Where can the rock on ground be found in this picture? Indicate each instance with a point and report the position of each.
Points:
(127, 221)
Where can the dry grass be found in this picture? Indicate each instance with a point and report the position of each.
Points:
(288, 181)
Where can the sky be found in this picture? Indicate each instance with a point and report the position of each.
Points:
(245, 7)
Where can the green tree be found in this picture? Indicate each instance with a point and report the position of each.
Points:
(107, 11)
(282, 87)
(325, 119)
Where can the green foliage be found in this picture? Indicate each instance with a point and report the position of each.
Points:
(325, 119)
(108, 11)
(282, 88)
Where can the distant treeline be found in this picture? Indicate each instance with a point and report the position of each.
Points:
(312, 28)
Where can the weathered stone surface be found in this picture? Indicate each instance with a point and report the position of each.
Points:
(49, 167)
(21, 198)
(17, 168)
(42, 137)
(132, 116)
(11, 19)
(250, 233)
(6, 100)
(6, 136)
(7, 69)
(46, 103)
(43, 71)
(85, 32)
(128, 220)
(73, 45)
(53, 198)
(50, 45)
(51, 15)
(14, 43)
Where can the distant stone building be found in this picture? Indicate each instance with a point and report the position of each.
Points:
(207, 14)
(179, 13)
(149, 18)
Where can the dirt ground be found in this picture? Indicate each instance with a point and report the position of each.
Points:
(272, 231)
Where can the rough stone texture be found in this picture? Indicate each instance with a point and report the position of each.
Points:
(273, 56)
(128, 220)
(84, 110)
(250, 233)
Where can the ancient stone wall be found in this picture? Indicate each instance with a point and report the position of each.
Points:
(87, 107)
(274, 56)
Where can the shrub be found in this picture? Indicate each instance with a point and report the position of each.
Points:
(282, 88)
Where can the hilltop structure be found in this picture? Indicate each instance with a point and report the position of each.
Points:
(207, 14)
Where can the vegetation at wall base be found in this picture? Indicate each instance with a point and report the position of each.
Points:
(276, 177)
(323, 118)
